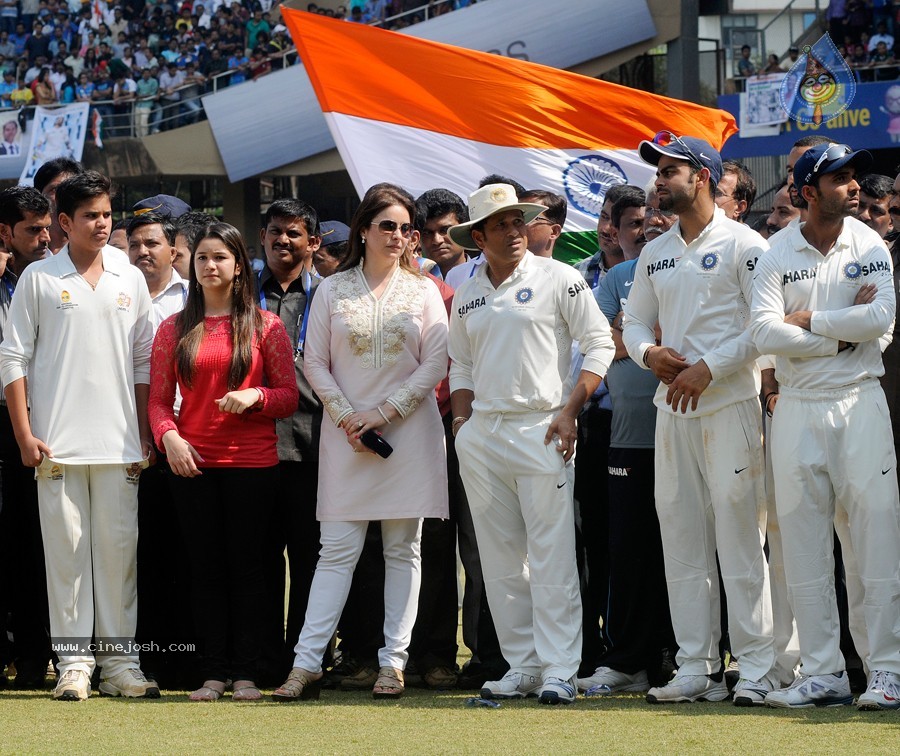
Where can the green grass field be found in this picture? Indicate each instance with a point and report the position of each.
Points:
(424, 722)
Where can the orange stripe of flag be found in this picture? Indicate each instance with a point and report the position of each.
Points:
(363, 71)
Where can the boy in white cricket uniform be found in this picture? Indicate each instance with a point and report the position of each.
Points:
(80, 329)
(511, 333)
(695, 281)
(832, 446)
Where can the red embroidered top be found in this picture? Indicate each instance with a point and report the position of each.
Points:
(224, 439)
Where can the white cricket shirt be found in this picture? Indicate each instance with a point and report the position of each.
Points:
(83, 351)
(700, 295)
(794, 276)
(512, 345)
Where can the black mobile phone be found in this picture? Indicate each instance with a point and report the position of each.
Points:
(375, 441)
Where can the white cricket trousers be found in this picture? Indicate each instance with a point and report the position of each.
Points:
(342, 543)
(89, 523)
(834, 464)
(787, 643)
(711, 498)
(524, 515)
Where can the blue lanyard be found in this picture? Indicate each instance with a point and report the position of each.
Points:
(596, 278)
(307, 287)
(10, 287)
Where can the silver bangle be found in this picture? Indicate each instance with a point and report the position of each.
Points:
(381, 412)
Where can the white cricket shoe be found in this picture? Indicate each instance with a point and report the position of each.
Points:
(512, 685)
(606, 680)
(883, 692)
(558, 691)
(751, 692)
(690, 688)
(813, 690)
(73, 685)
(130, 683)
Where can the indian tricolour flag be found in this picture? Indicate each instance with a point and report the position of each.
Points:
(424, 114)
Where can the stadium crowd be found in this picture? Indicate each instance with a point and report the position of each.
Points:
(372, 398)
(144, 65)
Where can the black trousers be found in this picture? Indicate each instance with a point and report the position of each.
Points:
(23, 576)
(637, 624)
(592, 535)
(224, 515)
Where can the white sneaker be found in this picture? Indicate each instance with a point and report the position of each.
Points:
(73, 685)
(130, 683)
(606, 680)
(558, 691)
(690, 688)
(751, 692)
(813, 690)
(883, 692)
(512, 685)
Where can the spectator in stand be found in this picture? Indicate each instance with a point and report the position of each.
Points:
(9, 14)
(37, 44)
(170, 82)
(194, 85)
(67, 89)
(745, 66)
(773, 66)
(18, 38)
(240, 64)
(7, 48)
(254, 26)
(84, 92)
(44, 93)
(124, 92)
(881, 60)
(881, 35)
(7, 87)
(216, 64)
(147, 93)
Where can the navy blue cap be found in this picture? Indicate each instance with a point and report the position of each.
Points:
(832, 157)
(333, 232)
(163, 204)
(687, 148)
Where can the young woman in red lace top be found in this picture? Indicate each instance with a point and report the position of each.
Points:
(233, 364)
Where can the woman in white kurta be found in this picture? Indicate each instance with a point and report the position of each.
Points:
(376, 347)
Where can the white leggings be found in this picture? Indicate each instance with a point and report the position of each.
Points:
(342, 543)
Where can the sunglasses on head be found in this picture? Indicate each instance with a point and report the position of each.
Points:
(834, 152)
(667, 138)
(389, 226)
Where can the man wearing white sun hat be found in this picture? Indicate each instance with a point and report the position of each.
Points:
(514, 410)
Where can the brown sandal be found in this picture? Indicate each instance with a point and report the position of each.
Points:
(209, 692)
(245, 690)
(389, 683)
(300, 686)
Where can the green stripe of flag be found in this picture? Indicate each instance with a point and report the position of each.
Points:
(573, 246)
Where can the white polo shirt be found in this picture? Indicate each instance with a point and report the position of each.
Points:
(512, 345)
(83, 351)
(170, 300)
(794, 276)
(700, 295)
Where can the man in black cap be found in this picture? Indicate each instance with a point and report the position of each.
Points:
(695, 281)
(162, 204)
(822, 299)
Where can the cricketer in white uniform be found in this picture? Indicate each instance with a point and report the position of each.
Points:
(511, 333)
(695, 280)
(832, 445)
(80, 330)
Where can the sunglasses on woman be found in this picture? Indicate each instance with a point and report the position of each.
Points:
(389, 226)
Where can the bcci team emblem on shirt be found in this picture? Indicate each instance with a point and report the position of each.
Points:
(852, 270)
(123, 302)
(524, 296)
(65, 301)
(709, 261)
